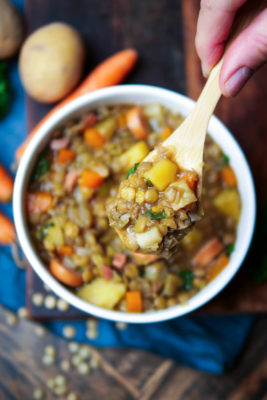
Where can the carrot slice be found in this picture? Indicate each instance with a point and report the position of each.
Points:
(167, 131)
(6, 185)
(110, 72)
(134, 302)
(191, 179)
(64, 274)
(39, 202)
(94, 138)
(65, 155)
(228, 176)
(137, 122)
(208, 252)
(144, 259)
(65, 250)
(91, 179)
(217, 267)
(7, 230)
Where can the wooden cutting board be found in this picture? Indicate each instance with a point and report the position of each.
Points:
(163, 33)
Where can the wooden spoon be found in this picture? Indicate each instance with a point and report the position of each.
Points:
(186, 143)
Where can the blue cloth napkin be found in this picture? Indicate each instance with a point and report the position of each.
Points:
(207, 343)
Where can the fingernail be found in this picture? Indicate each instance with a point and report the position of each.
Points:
(205, 69)
(236, 81)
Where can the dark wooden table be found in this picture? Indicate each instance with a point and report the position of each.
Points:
(163, 33)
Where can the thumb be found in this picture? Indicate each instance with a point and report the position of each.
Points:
(245, 55)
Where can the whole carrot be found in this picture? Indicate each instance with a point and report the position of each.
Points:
(6, 185)
(110, 72)
(7, 230)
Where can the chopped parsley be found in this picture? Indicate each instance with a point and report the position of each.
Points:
(132, 170)
(225, 159)
(149, 183)
(43, 166)
(187, 277)
(156, 215)
(229, 249)
(43, 231)
(5, 91)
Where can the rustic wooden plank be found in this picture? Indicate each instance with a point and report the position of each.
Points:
(22, 370)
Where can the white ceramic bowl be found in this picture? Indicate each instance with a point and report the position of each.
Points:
(137, 94)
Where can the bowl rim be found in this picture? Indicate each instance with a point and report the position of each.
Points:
(109, 95)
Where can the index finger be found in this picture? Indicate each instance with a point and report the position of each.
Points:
(213, 27)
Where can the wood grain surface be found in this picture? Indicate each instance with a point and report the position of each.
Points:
(163, 33)
(125, 374)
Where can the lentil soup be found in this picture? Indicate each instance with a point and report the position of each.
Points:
(75, 181)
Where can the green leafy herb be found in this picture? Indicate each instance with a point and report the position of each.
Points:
(132, 170)
(149, 183)
(187, 277)
(229, 249)
(156, 215)
(225, 159)
(260, 274)
(44, 229)
(43, 166)
(5, 91)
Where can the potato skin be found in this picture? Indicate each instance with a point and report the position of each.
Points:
(11, 29)
(51, 62)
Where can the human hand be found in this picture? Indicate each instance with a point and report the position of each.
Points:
(244, 56)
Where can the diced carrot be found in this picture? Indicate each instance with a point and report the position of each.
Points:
(122, 121)
(134, 302)
(191, 179)
(70, 180)
(228, 176)
(65, 155)
(39, 202)
(65, 250)
(217, 266)
(90, 120)
(144, 259)
(64, 274)
(94, 138)
(107, 272)
(208, 252)
(91, 179)
(7, 230)
(119, 260)
(6, 185)
(110, 72)
(167, 131)
(137, 122)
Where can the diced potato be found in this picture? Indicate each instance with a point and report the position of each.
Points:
(149, 238)
(162, 173)
(228, 203)
(102, 293)
(186, 195)
(107, 127)
(55, 235)
(154, 111)
(192, 239)
(134, 154)
(155, 271)
(171, 284)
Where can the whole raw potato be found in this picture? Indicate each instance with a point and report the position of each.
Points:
(11, 29)
(51, 62)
